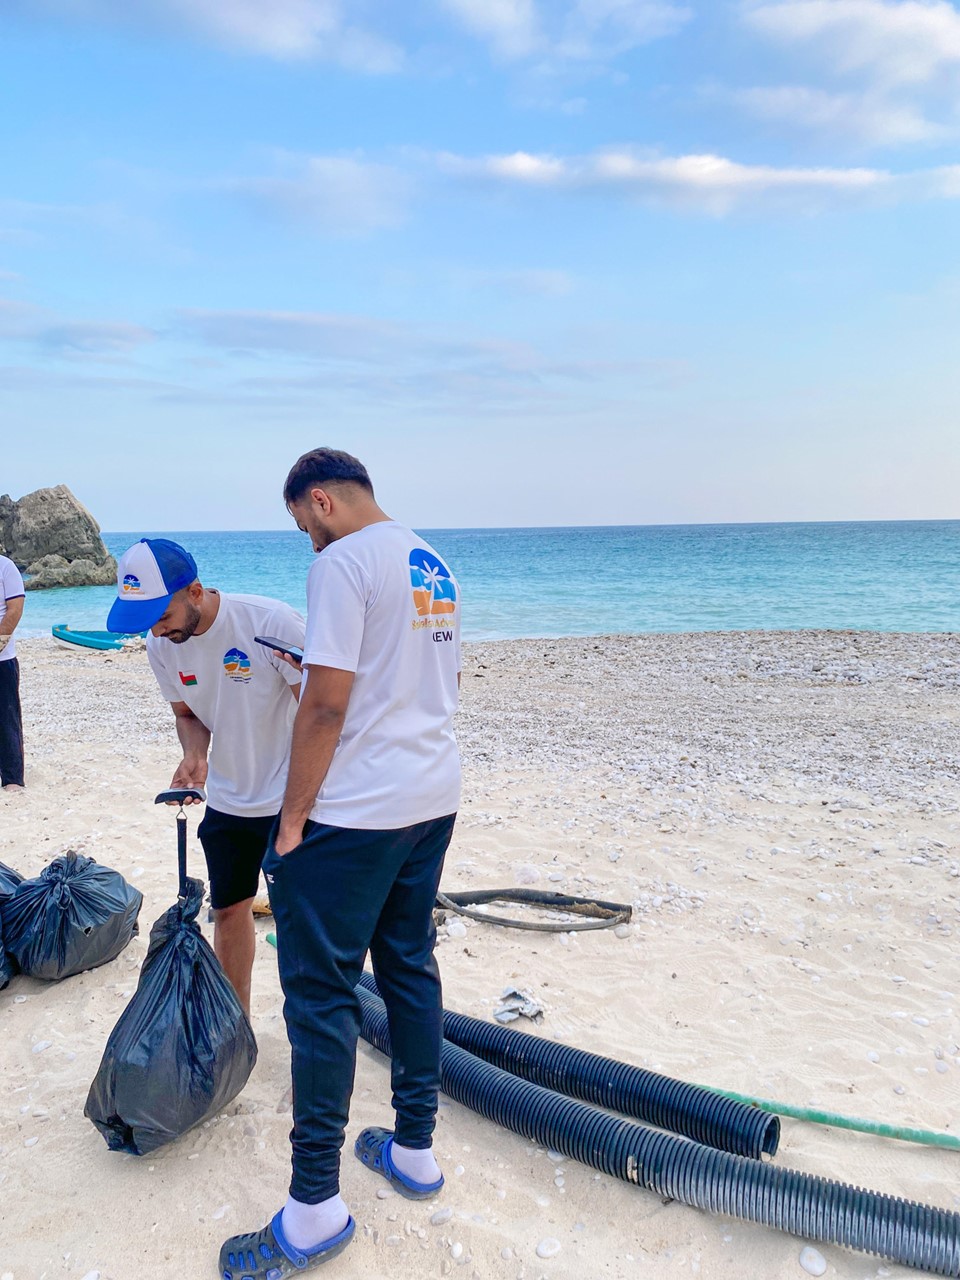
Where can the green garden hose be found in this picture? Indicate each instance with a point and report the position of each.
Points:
(924, 1136)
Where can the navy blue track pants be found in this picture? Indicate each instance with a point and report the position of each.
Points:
(11, 724)
(338, 894)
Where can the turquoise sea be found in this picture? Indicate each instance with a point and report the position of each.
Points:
(875, 576)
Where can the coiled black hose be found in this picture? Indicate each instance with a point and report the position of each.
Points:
(687, 1109)
(902, 1231)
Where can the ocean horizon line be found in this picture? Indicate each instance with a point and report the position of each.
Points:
(549, 528)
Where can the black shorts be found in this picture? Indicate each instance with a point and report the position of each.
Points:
(234, 849)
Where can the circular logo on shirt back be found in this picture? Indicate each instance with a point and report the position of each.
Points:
(236, 665)
(131, 584)
(433, 589)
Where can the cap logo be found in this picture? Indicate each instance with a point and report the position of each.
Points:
(131, 584)
(236, 665)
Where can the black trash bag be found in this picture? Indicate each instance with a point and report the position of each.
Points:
(75, 915)
(182, 1049)
(9, 879)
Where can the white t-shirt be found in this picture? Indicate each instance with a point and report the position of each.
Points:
(241, 692)
(381, 603)
(11, 588)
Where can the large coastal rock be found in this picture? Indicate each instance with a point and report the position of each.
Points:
(54, 540)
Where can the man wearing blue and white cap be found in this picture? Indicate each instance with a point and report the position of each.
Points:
(234, 700)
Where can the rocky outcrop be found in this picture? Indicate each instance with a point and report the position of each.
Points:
(54, 540)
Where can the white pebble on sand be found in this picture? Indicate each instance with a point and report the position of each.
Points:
(30, 1142)
(441, 1216)
(456, 1249)
(92, 1275)
(41, 1045)
(873, 1056)
(456, 929)
(384, 1193)
(221, 1212)
(548, 1248)
(812, 1261)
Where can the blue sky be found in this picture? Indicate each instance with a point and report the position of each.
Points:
(535, 261)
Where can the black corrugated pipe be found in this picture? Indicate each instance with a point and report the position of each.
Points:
(688, 1109)
(812, 1208)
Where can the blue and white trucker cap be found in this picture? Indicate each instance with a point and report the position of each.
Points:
(148, 576)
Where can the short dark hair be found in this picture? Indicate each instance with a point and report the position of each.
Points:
(324, 466)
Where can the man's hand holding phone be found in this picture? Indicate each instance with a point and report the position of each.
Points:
(290, 653)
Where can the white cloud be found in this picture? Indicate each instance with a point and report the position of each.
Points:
(709, 183)
(519, 167)
(273, 28)
(604, 28)
(580, 30)
(942, 183)
(895, 41)
(312, 358)
(331, 30)
(346, 195)
(24, 322)
(94, 338)
(867, 119)
(511, 26)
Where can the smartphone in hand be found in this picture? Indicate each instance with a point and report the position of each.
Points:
(281, 646)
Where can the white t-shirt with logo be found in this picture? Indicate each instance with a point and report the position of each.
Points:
(241, 692)
(11, 588)
(382, 603)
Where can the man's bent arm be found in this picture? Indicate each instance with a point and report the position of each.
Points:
(195, 740)
(316, 731)
(10, 620)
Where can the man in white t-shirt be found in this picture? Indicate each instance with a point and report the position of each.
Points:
(11, 722)
(232, 698)
(367, 816)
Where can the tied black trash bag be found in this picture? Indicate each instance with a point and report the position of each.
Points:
(183, 1047)
(9, 879)
(75, 915)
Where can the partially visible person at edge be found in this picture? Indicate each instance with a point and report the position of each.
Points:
(231, 698)
(11, 722)
(367, 816)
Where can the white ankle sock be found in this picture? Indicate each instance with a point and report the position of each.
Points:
(307, 1225)
(418, 1165)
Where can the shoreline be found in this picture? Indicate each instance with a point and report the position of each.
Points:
(780, 808)
(33, 634)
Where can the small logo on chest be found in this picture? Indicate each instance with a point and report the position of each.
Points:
(236, 666)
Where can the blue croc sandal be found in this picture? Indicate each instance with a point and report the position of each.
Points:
(373, 1149)
(269, 1255)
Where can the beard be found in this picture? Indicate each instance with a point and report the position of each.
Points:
(190, 624)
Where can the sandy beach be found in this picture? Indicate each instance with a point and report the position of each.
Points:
(781, 810)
